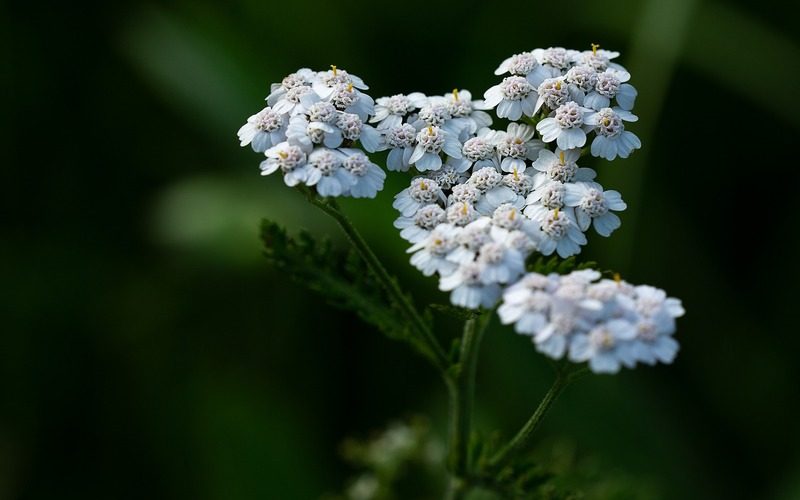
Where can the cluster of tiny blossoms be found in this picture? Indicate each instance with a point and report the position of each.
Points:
(309, 132)
(574, 94)
(525, 179)
(559, 96)
(429, 132)
(569, 95)
(484, 200)
(609, 323)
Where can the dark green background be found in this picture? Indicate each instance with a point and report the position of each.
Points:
(148, 352)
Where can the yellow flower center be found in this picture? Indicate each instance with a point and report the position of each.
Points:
(606, 340)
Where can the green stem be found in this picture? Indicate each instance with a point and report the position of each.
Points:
(461, 385)
(433, 349)
(523, 438)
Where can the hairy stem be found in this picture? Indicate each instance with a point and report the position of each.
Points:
(522, 439)
(461, 385)
(433, 349)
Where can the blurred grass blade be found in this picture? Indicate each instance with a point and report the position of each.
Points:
(655, 49)
(191, 72)
(746, 55)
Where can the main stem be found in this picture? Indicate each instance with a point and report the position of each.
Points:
(522, 439)
(461, 385)
(435, 351)
(460, 377)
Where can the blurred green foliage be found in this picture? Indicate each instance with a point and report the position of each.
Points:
(405, 460)
(148, 351)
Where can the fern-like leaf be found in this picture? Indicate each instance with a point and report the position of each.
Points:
(340, 276)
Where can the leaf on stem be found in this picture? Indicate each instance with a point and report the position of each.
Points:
(459, 313)
(339, 275)
(554, 264)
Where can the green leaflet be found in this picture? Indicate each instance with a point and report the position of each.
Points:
(338, 275)
(555, 264)
(456, 312)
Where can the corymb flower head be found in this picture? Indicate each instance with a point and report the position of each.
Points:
(483, 200)
(608, 323)
(562, 104)
(313, 131)
(429, 132)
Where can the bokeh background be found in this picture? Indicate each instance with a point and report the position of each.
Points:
(147, 351)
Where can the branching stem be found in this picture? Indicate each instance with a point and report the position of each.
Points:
(461, 385)
(460, 376)
(433, 350)
(522, 440)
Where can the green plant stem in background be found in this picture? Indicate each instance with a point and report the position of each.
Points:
(461, 385)
(433, 350)
(522, 439)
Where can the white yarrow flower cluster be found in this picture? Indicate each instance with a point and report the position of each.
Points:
(530, 166)
(428, 132)
(484, 200)
(566, 201)
(608, 323)
(570, 94)
(471, 233)
(471, 170)
(579, 97)
(310, 129)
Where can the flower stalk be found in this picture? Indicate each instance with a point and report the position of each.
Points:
(522, 440)
(461, 386)
(432, 348)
